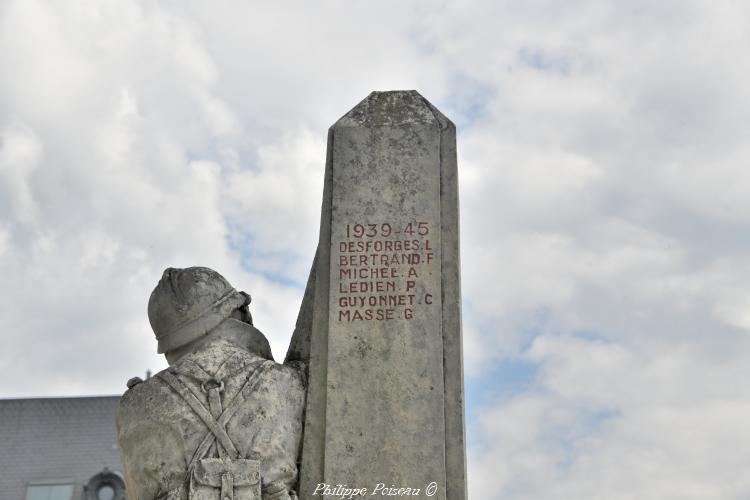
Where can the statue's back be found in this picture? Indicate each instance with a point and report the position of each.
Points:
(211, 422)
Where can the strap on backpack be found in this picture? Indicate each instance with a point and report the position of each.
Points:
(216, 424)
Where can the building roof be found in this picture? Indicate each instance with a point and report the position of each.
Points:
(51, 439)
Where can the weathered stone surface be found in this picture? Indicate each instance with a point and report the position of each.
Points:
(224, 420)
(380, 323)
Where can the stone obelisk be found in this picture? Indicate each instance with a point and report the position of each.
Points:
(380, 325)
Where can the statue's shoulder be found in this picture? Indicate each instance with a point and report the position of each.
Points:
(286, 377)
(143, 398)
(298, 369)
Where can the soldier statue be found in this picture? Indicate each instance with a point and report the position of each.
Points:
(223, 421)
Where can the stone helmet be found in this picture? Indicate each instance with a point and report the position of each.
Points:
(188, 303)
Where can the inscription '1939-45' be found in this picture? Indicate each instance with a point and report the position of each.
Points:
(380, 270)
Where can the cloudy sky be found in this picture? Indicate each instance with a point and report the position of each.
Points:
(604, 156)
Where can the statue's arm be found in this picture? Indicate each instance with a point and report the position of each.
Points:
(151, 452)
(130, 440)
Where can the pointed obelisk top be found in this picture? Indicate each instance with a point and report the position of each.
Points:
(391, 109)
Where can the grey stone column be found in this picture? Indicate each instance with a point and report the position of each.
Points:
(380, 325)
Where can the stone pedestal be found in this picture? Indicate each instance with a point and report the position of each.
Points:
(380, 325)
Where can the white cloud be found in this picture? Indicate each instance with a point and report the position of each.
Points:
(20, 154)
(609, 421)
(603, 152)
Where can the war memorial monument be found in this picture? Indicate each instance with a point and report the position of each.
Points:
(369, 400)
